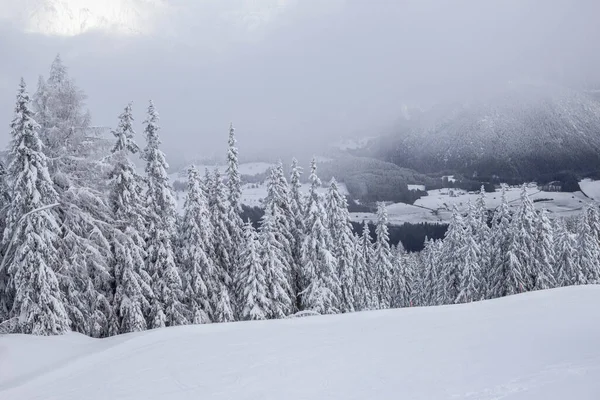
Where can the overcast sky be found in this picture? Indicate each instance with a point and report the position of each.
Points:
(289, 73)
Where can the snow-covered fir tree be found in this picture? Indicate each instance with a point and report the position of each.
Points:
(365, 296)
(431, 293)
(161, 218)
(132, 283)
(222, 244)
(252, 280)
(234, 196)
(296, 202)
(500, 241)
(277, 204)
(567, 268)
(402, 278)
(588, 248)
(274, 262)
(323, 291)
(523, 232)
(196, 255)
(544, 258)
(32, 230)
(382, 264)
(451, 263)
(470, 276)
(340, 229)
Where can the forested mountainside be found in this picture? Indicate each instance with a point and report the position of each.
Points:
(524, 131)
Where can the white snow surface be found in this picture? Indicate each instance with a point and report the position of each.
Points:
(535, 346)
(591, 188)
(436, 207)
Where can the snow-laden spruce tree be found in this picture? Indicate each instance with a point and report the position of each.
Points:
(523, 232)
(32, 230)
(5, 199)
(383, 267)
(323, 291)
(340, 229)
(430, 288)
(567, 269)
(403, 278)
(297, 229)
(132, 283)
(500, 241)
(234, 196)
(451, 261)
(196, 255)
(364, 294)
(277, 204)
(588, 249)
(161, 219)
(75, 151)
(470, 281)
(274, 261)
(483, 237)
(544, 259)
(222, 246)
(251, 280)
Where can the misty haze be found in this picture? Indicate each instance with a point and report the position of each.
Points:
(299, 199)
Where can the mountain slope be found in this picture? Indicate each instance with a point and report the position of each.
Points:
(523, 131)
(541, 345)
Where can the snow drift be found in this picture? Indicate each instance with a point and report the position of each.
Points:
(541, 345)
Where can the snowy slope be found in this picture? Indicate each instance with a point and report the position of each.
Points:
(536, 346)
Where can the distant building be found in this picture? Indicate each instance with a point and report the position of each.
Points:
(554, 186)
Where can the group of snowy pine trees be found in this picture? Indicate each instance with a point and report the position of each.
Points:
(90, 245)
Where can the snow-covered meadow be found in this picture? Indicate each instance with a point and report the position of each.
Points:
(436, 207)
(535, 346)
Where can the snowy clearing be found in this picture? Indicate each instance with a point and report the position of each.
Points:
(541, 345)
(436, 207)
(590, 188)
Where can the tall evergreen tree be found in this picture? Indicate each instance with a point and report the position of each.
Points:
(402, 278)
(588, 249)
(252, 280)
(322, 293)
(32, 230)
(567, 269)
(277, 204)
(365, 295)
(196, 252)
(451, 260)
(132, 283)
(383, 267)
(544, 259)
(500, 241)
(75, 150)
(470, 285)
(161, 206)
(274, 262)
(297, 230)
(222, 245)
(524, 228)
(343, 244)
(234, 196)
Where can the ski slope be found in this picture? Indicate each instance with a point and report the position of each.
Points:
(535, 346)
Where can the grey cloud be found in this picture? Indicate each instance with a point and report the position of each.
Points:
(310, 75)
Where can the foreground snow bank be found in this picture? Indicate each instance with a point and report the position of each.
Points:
(541, 345)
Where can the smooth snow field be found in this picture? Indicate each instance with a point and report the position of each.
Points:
(536, 346)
